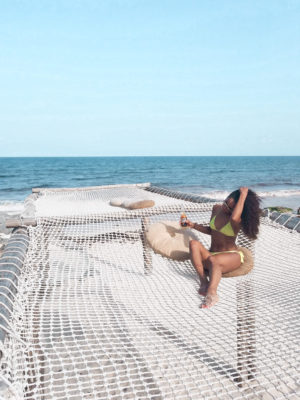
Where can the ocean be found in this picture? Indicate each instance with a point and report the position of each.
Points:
(276, 179)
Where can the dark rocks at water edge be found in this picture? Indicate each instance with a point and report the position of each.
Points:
(280, 209)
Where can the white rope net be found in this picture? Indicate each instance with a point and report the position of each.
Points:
(98, 315)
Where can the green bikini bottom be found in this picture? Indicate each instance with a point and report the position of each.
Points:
(229, 251)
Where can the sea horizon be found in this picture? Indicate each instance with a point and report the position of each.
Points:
(158, 156)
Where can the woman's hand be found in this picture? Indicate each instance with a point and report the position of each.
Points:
(244, 190)
(190, 224)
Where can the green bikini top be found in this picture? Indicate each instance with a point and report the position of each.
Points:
(227, 229)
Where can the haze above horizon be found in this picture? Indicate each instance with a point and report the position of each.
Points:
(150, 78)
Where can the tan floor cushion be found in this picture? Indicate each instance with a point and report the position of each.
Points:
(245, 268)
(131, 204)
(169, 239)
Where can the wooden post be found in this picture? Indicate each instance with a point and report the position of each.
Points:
(17, 222)
(146, 250)
(246, 347)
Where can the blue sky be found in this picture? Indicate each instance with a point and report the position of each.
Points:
(135, 77)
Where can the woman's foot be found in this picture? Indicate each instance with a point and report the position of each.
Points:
(203, 288)
(210, 300)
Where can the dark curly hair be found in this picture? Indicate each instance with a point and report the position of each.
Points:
(251, 212)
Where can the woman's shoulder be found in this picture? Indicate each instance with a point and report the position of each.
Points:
(216, 208)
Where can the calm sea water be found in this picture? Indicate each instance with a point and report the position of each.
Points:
(276, 179)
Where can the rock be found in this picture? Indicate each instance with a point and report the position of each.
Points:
(280, 209)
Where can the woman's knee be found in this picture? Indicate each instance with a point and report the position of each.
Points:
(214, 263)
(194, 244)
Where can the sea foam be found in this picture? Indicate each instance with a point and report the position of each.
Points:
(11, 207)
(221, 194)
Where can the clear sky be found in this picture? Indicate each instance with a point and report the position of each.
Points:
(149, 77)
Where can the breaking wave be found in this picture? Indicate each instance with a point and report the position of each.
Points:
(221, 194)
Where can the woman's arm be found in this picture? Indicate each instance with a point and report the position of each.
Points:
(238, 209)
(199, 227)
(202, 228)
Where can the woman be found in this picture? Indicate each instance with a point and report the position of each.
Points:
(240, 210)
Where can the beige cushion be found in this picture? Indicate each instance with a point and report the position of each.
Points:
(117, 202)
(131, 204)
(245, 268)
(141, 204)
(169, 239)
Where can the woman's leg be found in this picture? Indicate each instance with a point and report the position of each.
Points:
(219, 264)
(199, 254)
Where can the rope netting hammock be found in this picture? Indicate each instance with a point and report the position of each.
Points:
(89, 311)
